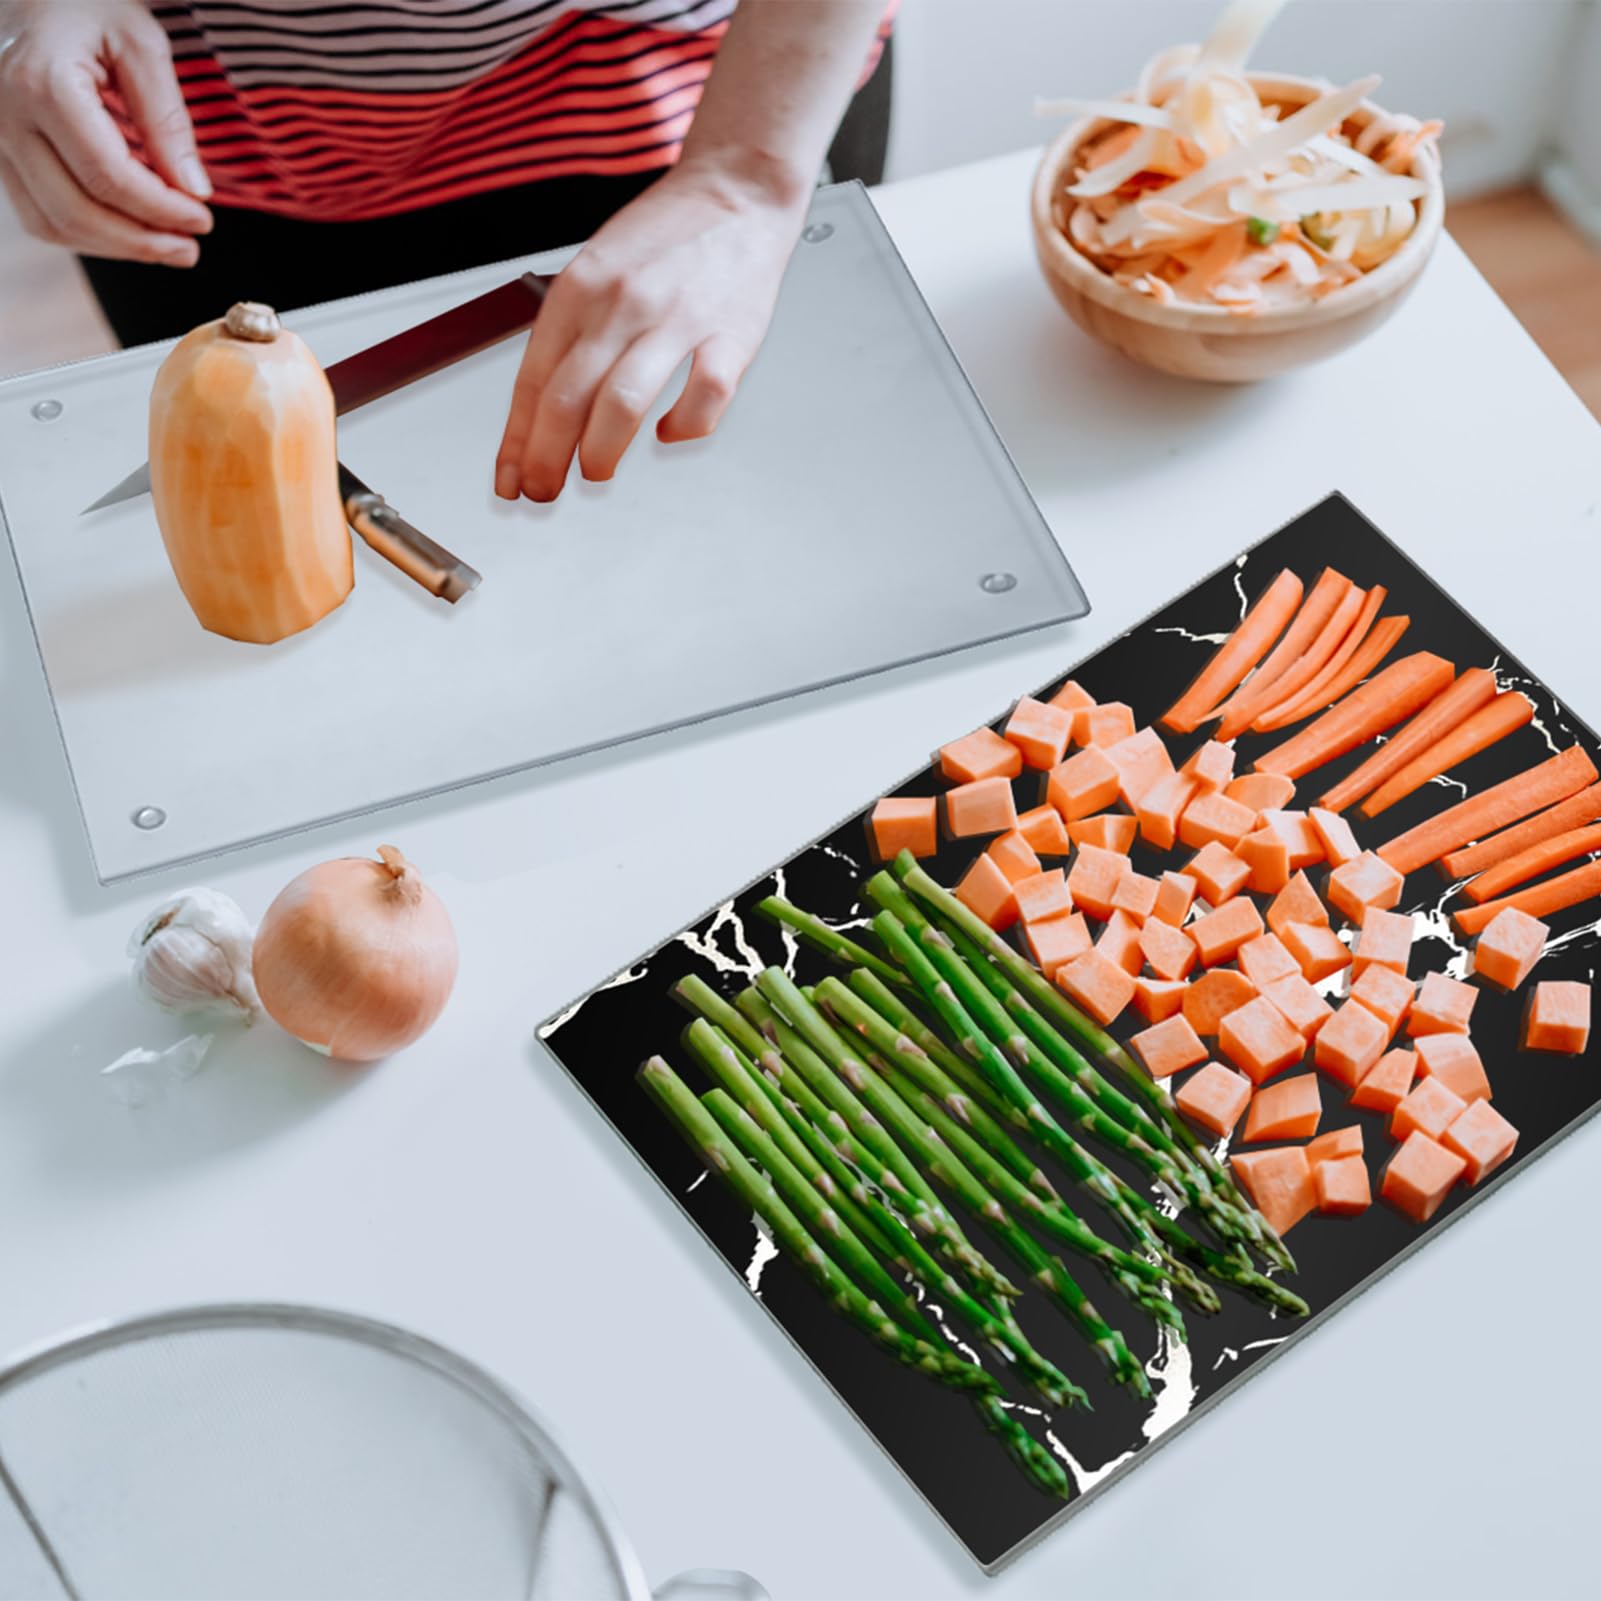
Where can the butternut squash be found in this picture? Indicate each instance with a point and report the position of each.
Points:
(245, 480)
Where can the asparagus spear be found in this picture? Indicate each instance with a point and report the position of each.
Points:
(830, 941)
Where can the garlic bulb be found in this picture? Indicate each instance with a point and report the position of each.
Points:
(192, 954)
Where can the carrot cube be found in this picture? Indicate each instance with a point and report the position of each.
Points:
(1482, 1138)
(1120, 943)
(1261, 791)
(1350, 1043)
(1279, 1183)
(1386, 1083)
(1218, 873)
(1220, 934)
(1334, 835)
(1102, 725)
(1082, 784)
(987, 892)
(1363, 882)
(1268, 858)
(1336, 1143)
(1214, 1097)
(1100, 986)
(1168, 1047)
(1136, 895)
(1072, 697)
(905, 823)
(1057, 940)
(1443, 1006)
(1094, 878)
(1169, 952)
(1042, 896)
(981, 754)
(1159, 998)
(1044, 829)
(1455, 1062)
(1040, 732)
(1014, 856)
(1342, 1186)
(1257, 1039)
(1297, 902)
(1384, 940)
(1304, 1009)
(1214, 818)
(1512, 942)
(1420, 1176)
(1295, 829)
(1211, 997)
(1385, 993)
(1429, 1107)
(1160, 807)
(983, 807)
(1317, 948)
(1211, 765)
(1140, 760)
(1110, 831)
(1174, 898)
(1558, 1018)
(1288, 1110)
(1264, 959)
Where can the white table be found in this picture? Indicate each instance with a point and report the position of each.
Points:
(452, 1188)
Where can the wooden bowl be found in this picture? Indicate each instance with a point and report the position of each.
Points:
(1209, 342)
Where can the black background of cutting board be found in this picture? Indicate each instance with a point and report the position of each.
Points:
(932, 1433)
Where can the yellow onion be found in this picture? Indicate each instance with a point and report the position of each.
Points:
(356, 957)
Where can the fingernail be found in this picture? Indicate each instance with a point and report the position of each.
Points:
(506, 480)
(194, 177)
(183, 253)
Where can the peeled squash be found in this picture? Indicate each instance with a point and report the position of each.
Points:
(245, 479)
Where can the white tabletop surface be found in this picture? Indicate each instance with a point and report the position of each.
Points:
(1431, 1442)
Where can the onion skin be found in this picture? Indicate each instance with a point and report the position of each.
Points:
(356, 958)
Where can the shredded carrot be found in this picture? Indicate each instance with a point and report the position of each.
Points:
(1478, 732)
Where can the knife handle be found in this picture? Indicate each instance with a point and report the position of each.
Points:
(409, 549)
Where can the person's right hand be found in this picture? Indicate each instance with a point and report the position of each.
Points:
(64, 164)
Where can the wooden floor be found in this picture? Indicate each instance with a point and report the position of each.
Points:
(1542, 266)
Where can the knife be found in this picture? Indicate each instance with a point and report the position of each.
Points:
(393, 363)
(411, 550)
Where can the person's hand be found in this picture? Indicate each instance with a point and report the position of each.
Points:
(690, 268)
(65, 166)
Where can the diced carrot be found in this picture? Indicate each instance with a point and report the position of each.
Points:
(1386, 1083)
(1218, 935)
(1211, 997)
(987, 892)
(984, 806)
(1443, 1005)
(1279, 1182)
(1342, 1186)
(1530, 863)
(1384, 940)
(1257, 1039)
(1282, 709)
(1072, 697)
(1160, 807)
(1014, 856)
(1507, 802)
(1304, 1009)
(1550, 895)
(1218, 873)
(1313, 614)
(1296, 830)
(905, 822)
(1169, 952)
(1136, 894)
(1332, 682)
(1120, 943)
(1420, 1176)
(1214, 1097)
(1264, 959)
(1044, 829)
(981, 754)
(1482, 1138)
(1261, 791)
(1334, 834)
(1429, 1107)
(1452, 1059)
(1484, 728)
(1100, 986)
(1364, 881)
(1103, 725)
(1057, 940)
(1238, 654)
(1337, 1143)
(1167, 1048)
(1288, 1110)
(1558, 1018)
(1110, 831)
(1214, 817)
(1316, 948)
(1297, 902)
(1157, 998)
(1084, 783)
(1174, 898)
(1578, 809)
(1454, 704)
(1512, 942)
(1385, 993)
(1042, 896)
(1093, 879)
(1211, 765)
(1369, 709)
(1140, 759)
(1040, 732)
(1350, 1043)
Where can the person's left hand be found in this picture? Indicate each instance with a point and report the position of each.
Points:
(690, 268)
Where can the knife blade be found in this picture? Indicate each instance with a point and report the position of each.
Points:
(397, 541)
(403, 358)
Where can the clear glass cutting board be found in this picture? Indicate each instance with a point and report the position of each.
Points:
(856, 510)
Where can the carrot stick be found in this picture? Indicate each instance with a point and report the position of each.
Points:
(1507, 802)
(1473, 734)
(1301, 673)
(1530, 863)
(1354, 636)
(1238, 654)
(1329, 686)
(1584, 807)
(1454, 704)
(1319, 606)
(1369, 709)
(1567, 889)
